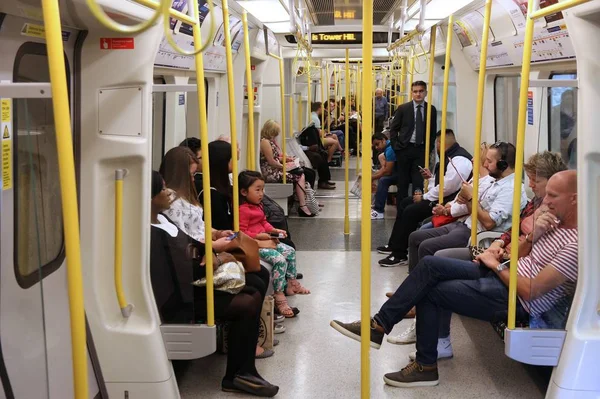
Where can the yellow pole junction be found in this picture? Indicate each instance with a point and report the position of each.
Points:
(126, 308)
(299, 104)
(201, 95)
(68, 188)
(251, 150)
(445, 106)
(479, 118)
(374, 74)
(365, 227)
(554, 8)
(232, 115)
(347, 148)
(308, 97)
(335, 91)
(429, 101)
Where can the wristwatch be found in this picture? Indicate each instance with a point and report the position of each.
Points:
(501, 266)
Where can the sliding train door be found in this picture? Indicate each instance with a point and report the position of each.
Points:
(35, 338)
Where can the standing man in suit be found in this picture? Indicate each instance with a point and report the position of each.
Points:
(407, 136)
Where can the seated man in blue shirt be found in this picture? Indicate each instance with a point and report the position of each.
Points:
(385, 176)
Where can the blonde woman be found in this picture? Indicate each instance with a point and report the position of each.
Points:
(271, 165)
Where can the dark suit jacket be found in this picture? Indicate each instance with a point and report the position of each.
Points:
(403, 125)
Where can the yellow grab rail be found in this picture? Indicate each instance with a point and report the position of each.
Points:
(365, 226)
(126, 308)
(322, 99)
(251, 149)
(403, 40)
(201, 96)
(412, 69)
(402, 98)
(299, 104)
(359, 118)
(479, 119)
(283, 147)
(282, 97)
(445, 107)
(554, 8)
(308, 98)
(429, 103)
(328, 94)
(347, 148)
(109, 23)
(232, 115)
(68, 190)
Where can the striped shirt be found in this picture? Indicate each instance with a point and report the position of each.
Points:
(558, 249)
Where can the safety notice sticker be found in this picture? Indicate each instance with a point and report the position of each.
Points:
(6, 131)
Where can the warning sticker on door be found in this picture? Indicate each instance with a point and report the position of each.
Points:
(117, 43)
(6, 131)
(5, 110)
(33, 30)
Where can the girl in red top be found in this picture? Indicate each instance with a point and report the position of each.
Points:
(283, 257)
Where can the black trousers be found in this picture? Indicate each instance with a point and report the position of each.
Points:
(379, 119)
(310, 176)
(318, 161)
(408, 160)
(408, 217)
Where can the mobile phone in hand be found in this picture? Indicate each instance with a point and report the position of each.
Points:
(275, 234)
(233, 236)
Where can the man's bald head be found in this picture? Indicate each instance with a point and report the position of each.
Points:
(561, 196)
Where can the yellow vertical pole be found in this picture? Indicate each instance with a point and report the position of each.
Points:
(201, 95)
(299, 104)
(347, 148)
(365, 227)
(479, 118)
(445, 106)
(430, 101)
(525, 70)
(68, 189)
(373, 102)
(335, 90)
(232, 115)
(308, 98)
(323, 99)
(327, 99)
(412, 68)
(403, 98)
(251, 150)
(359, 118)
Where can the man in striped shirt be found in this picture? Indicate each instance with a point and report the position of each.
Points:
(547, 274)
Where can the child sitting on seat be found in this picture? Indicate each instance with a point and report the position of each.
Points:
(254, 223)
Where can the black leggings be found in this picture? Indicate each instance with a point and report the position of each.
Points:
(242, 311)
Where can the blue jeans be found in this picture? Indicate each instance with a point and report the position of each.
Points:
(426, 226)
(383, 185)
(437, 284)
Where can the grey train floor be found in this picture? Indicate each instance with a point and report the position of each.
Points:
(314, 361)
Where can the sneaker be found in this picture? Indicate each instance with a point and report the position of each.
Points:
(392, 261)
(376, 215)
(278, 319)
(413, 375)
(444, 350)
(279, 329)
(407, 337)
(385, 249)
(352, 330)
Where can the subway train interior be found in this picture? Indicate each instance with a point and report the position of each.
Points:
(330, 147)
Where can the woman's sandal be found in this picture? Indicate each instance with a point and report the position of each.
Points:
(283, 308)
(305, 214)
(295, 287)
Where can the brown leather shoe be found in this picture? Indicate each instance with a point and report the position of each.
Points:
(413, 375)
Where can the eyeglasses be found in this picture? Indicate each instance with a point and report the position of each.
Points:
(498, 144)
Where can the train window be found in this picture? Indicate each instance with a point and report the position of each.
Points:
(562, 119)
(39, 240)
(506, 107)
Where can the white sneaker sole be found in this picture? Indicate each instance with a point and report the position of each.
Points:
(349, 334)
(401, 263)
(410, 384)
(396, 341)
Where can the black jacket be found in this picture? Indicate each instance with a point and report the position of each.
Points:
(454, 151)
(403, 125)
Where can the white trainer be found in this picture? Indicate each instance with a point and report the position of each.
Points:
(376, 215)
(407, 337)
(444, 350)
